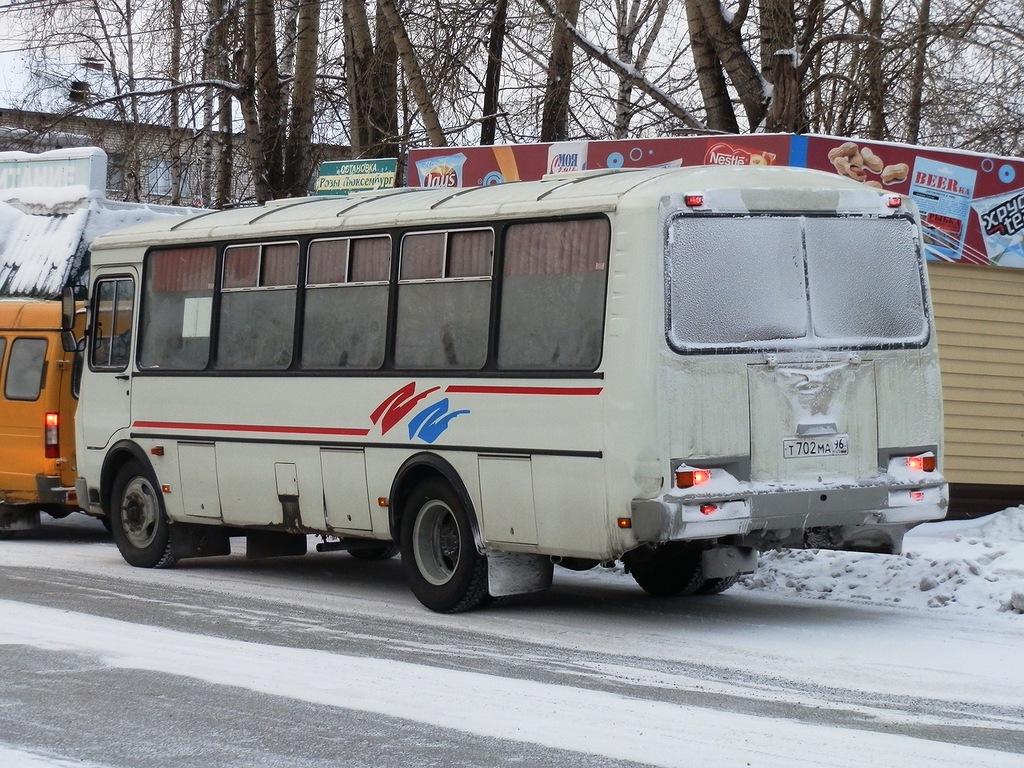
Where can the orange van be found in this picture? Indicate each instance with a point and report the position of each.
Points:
(38, 398)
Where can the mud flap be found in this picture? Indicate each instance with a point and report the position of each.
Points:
(723, 562)
(512, 573)
(14, 517)
(199, 540)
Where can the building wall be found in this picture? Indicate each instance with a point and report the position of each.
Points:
(138, 154)
(978, 314)
(138, 168)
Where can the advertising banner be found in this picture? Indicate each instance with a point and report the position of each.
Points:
(972, 205)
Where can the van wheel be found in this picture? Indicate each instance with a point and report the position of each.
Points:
(138, 520)
(439, 554)
(669, 572)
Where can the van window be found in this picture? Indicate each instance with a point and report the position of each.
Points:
(26, 369)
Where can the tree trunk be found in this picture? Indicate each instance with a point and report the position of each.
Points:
(780, 56)
(298, 162)
(727, 41)
(372, 84)
(875, 87)
(492, 76)
(174, 119)
(917, 73)
(554, 124)
(413, 74)
(714, 89)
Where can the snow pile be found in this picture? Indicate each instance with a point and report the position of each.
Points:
(958, 565)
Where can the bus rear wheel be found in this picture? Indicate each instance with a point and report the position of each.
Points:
(444, 569)
(669, 572)
(381, 552)
(138, 520)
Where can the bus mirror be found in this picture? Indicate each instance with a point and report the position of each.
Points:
(67, 320)
(67, 308)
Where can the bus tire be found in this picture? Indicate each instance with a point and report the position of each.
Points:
(717, 586)
(669, 573)
(383, 552)
(442, 565)
(138, 520)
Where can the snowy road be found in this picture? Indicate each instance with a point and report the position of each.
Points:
(327, 660)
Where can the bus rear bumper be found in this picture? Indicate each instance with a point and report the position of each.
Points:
(852, 517)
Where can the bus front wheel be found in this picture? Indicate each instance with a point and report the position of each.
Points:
(444, 569)
(138, 520)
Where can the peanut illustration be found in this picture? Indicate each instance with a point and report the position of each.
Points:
(847, 149)
(871, 161)
(856, 162)
(894, 174)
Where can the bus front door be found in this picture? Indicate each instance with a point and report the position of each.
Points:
(105, 403)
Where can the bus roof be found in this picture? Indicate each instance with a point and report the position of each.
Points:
(730, 188)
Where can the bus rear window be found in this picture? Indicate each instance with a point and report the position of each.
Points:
(26, 369)
(764, 282)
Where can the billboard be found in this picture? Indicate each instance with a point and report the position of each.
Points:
(972, 204)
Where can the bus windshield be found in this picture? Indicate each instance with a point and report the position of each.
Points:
(789, 282)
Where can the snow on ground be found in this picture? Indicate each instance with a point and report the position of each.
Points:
(970, 568)
(972, 565)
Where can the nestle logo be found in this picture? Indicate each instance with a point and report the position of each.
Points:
(564, 162)
(717, 158)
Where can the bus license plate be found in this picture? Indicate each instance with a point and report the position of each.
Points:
(803, 447)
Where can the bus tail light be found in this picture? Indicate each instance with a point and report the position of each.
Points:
(893, 201)
(924, 462)
(693, 201)
(51, 432)
(917, 495)
(708, 509)
(688, 477)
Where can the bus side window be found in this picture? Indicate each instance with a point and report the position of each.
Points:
(346, 307)
(444, 295)
(257, 310)
(552, 295)
(177, 308)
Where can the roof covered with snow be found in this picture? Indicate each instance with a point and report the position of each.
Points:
(48, 219)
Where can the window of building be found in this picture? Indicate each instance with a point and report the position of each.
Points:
(158, 178)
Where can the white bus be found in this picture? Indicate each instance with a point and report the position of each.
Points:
(671, 368)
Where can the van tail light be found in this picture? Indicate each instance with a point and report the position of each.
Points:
(688, 477)
(922, 463)
(51, 435)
